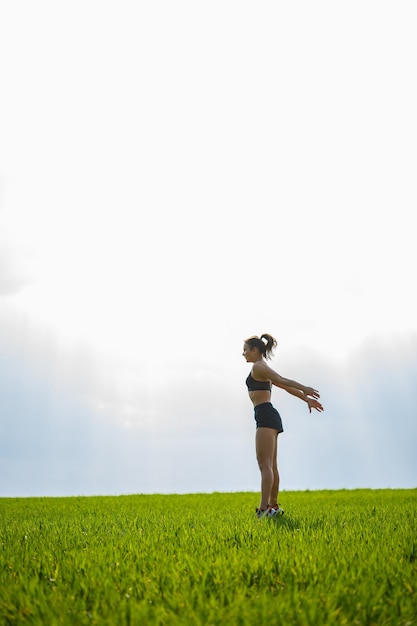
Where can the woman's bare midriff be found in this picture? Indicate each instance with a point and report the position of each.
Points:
(260, 396)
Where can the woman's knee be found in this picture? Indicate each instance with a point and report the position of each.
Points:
(265, 463)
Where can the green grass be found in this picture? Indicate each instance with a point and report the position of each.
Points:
(335, 557)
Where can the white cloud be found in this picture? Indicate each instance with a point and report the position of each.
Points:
(66, 430)
(15, 270)
(365, 436)
(14, 273)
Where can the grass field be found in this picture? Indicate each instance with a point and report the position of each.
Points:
(335, 557)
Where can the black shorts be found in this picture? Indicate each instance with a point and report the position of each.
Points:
(266, 416)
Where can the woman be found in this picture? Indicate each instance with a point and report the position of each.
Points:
(268, 420)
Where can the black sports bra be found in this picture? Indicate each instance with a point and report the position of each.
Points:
(257, 385)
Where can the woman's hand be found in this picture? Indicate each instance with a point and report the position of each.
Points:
(314, 404)
(309, 391)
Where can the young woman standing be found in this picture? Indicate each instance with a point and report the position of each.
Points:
(268, 421)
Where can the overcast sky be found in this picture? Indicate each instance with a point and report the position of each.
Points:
(178, 176)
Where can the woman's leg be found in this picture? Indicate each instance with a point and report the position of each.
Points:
(265, 449)
(275, 485)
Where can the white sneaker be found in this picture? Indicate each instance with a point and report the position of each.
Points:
(260, 513)
(270, 511)
(275, 510)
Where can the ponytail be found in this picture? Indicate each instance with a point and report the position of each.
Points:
(265, 344)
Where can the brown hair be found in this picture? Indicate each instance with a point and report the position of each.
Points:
(264, 348)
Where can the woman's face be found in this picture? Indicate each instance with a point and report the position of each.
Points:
(250, 354)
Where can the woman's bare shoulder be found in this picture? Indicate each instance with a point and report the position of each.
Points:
(262, 370)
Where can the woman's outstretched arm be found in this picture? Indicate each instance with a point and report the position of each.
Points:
(261, 369)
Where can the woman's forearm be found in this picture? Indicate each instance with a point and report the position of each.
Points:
(292, 385)
(289, 385)
(296, 392)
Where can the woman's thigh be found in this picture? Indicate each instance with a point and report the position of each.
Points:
(266, 442)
